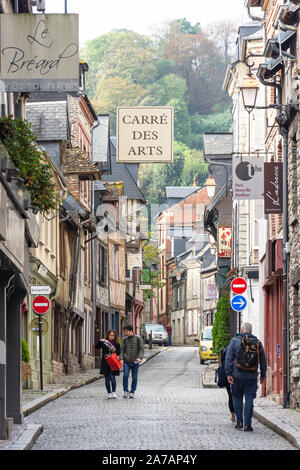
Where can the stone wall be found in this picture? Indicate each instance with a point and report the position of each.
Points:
(294, 271)
(58, 371)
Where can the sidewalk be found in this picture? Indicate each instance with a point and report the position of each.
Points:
(24, 435)
(283, 421)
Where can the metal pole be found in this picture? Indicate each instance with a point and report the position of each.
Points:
(16, 6)
(41, 354)
(66, 6)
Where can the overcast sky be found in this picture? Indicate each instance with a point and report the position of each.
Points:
(97, 17)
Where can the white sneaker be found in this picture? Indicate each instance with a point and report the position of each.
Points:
(114, 395)
(109, 395)
(131, 395)
(125, 395)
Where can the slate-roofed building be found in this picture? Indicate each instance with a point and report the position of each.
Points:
(131, 207)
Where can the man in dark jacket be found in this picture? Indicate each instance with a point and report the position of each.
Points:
(132, 352)
(243, 382)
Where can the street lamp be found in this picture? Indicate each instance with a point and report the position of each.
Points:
(249, 90)
(210, 187)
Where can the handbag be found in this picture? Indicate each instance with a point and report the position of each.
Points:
(220, 376)
(112, 360)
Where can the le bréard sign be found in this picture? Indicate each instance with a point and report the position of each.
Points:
(145, 134)
(39, 53)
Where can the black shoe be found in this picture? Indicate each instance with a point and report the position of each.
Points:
(248, 428)
(239, 426)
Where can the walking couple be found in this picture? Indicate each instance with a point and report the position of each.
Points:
(130, 353)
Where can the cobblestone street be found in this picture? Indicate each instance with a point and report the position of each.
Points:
(171, 411)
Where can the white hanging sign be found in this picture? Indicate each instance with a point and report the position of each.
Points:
(248, 177)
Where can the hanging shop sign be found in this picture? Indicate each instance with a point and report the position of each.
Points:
(211, 292)
(224, 242)
(273, 188)
(134, 260)
(145, 134)
(248, 177)
(39, 53)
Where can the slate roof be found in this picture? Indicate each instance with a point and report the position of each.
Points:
(49, 119)
(128, 173)
(180, 192)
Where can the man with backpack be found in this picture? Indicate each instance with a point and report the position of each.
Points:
(132, 351)
(245, 353)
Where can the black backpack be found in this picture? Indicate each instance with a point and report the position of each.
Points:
(247, 358)
(220, 376)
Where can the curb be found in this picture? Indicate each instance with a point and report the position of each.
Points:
(28, 434)
(263, 416)
(26, 437)
(281, 428)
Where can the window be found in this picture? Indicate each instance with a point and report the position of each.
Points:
(190, 323)
(62, 251)
(195, 322)
(194, 284)
(90, 334)
(84, 331)
(115, 262)
(102, 265)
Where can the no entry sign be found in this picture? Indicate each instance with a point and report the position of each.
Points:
(40, 304)
(239, 285)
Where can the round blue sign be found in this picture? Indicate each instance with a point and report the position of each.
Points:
(238, 303)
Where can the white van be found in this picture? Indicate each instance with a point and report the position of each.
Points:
(159, 334)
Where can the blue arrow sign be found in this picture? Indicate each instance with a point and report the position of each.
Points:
(238, 303)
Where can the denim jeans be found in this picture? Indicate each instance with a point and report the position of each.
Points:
(239, 389)
(110, 383)
(126, 371)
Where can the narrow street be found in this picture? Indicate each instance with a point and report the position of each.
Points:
(171, 411)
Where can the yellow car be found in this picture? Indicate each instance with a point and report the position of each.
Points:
(205, 345)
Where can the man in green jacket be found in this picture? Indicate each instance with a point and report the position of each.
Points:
(132, 352)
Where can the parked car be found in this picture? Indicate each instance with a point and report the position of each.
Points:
(205, 345)
(159, 334)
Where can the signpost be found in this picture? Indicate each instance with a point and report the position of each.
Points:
(40, 290)
(40, 305)
(238, 303)
(239, 285)
(34, 326)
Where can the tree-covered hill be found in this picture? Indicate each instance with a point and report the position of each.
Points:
(184, 67)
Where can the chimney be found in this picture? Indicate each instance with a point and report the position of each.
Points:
(195, 182)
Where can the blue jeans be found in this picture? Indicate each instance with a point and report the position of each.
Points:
(110, 383)
(239, 389)
(126, 371)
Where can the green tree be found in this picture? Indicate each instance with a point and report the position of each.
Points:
(25, 352)
(150, 257)
(220, 331)
(194, 167)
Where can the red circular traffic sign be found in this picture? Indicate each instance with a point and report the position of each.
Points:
(40, 304)
(239, 285)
